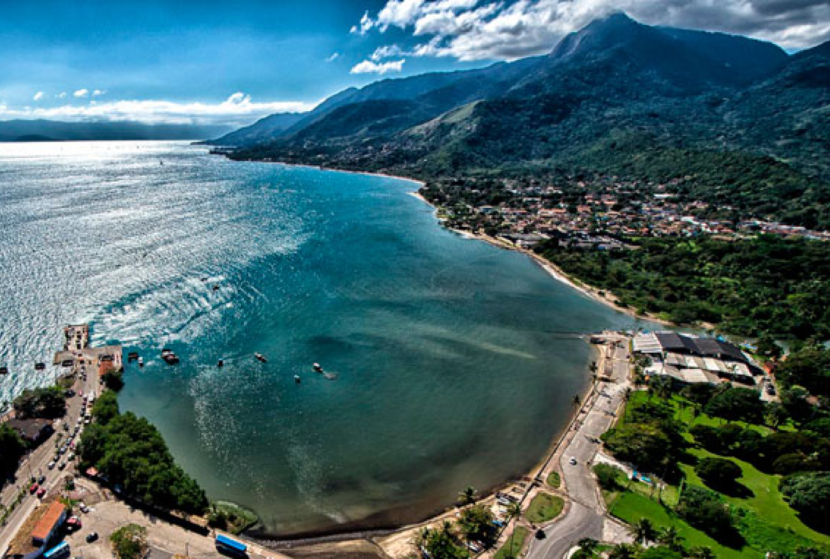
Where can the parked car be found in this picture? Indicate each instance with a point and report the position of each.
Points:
(41, 493)
(33, 489)
(62, 465)
(84, 508)
(572, 461)
(91, 537)
(51, 465)
(41, 480)
(770, 390)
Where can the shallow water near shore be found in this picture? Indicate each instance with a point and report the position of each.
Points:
(450, 360)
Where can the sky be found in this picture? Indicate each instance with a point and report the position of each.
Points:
(231, 62)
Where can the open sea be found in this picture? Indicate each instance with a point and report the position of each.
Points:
(451, 369)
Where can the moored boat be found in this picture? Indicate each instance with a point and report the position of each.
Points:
(261, 358)
(40, 366)
(140, 362)
(4, 370)
(169, 357)
(318, 367)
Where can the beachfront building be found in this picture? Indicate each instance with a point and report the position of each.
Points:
(690, 360)
(38, 532)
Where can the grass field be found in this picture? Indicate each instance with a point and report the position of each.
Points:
(518, 540)
(544, 507)
(554, 480)
(763, 517)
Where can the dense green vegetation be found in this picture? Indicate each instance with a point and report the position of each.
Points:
(47, 402)
(753, 286)
(808, 366)
(231, 517)
(114, 379)
(742, 489)
(12, 449)
(131, 454)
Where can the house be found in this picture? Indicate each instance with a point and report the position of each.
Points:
(33, 431)
(38, 531)
(49, 524)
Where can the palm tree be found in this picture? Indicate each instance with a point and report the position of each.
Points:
(701, 552)
(588, 546)
(643, 531)
(468, 496)
(514, 510)
(623, 551)
(671, 538)
(421, 538)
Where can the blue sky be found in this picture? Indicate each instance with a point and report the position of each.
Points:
(234, 61)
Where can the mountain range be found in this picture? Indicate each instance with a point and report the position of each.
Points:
(746, 122)
(53, 131)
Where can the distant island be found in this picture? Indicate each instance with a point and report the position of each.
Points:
(56, 131)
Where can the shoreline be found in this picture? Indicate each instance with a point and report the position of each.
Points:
(332, 536)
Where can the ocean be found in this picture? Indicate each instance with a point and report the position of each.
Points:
(447, 362)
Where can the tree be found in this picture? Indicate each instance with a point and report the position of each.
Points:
(514, 511)
(737, 404)
(588, 546)
(671, 538)
(114, 379)
(129, 542)
(12, 449)
(808, 493)
(476, 523)
(443, 542)
(48, 402)
(607, 476)
(704, 510)
(643, 531)
(468, 496)
(660, 552)
(623, 551)
(775, 414)
(718, 473)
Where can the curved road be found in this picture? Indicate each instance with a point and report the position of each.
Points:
(586, 515)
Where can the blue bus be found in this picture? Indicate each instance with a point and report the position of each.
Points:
(231, 547)
(59, 551)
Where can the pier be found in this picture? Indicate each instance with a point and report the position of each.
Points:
(76, 353)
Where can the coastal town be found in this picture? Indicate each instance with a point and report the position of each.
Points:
(596, 214)
(578, 498)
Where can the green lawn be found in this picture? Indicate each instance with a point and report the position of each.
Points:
(544, 507)
(518, 540)
(771, 519)
(554, 480)
(631, 507)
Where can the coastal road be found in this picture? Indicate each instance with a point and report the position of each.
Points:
(585, 517)
(36, 463)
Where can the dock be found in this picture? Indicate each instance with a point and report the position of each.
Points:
(77, 355)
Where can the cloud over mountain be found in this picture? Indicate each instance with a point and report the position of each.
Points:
(503, 30)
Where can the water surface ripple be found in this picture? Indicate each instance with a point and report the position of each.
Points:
(448, 369)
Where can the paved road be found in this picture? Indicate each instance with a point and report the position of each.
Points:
(36, 463)
(586, 516)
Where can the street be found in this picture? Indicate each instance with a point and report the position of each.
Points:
(36, 464)
(585, 518)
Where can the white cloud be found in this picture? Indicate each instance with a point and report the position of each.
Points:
(61, 95)
(371, 67)
(236, 110)
(38, 96)
(98, 92)
(334, 56)
(504, 29)
(81, 93)
(364, 25)
(387, 51)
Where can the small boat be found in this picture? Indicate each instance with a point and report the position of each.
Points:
(221, 363)
(4, 370)
(140, 362)
(318, 367)
(132, 356)
(297, 379)
(216, 288)
(261, 358)
(169, 357)
(40, 366)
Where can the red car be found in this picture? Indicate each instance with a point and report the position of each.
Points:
(34, 488)
(41, 492)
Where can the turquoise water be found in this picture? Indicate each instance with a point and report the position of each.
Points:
(449, 370)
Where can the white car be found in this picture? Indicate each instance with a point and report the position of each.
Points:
(572, 461)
